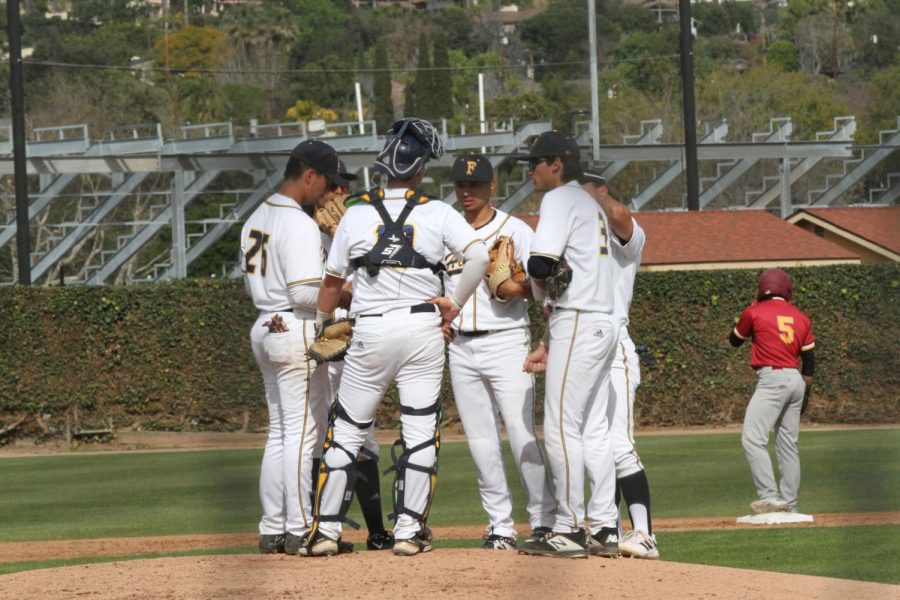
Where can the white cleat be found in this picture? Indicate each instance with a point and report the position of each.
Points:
(637, 544)
(768, 505)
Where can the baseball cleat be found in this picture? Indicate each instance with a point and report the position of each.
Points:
(498, 542)
(380, 541)
(638, 544)
(293, 543)
(321, 545)
(767, 505)
(538, 534)
(271, 544)
(557, 544)
(421, 542)
(605, 543)
(344, 547)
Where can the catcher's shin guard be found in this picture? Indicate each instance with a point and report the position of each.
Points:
(402, 464)
(325, 471)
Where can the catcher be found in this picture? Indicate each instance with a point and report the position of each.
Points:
(332, 342)
(488, 343)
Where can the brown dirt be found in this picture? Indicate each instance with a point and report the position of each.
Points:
(124, 546)
(446, 573)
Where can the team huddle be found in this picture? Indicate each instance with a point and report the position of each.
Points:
(418, 281)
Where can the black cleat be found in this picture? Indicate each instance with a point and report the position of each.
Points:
(271, 544)
(380, 541)
(605, 543)
(557, 544)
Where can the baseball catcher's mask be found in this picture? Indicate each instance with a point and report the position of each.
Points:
(774, 282)
(410, 144)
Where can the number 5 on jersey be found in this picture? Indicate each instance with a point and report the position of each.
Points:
(785, 328)
(260, 239)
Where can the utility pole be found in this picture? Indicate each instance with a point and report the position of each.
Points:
(20, 176)
(595, 100)
(690, 119)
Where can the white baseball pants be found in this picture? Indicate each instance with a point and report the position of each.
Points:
(576, 426)
(335, 372)
(402, 347)
(297, 399)
(488, 383)
(625, 377)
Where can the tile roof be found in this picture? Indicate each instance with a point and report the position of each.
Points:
(726, 236)
(877, 224)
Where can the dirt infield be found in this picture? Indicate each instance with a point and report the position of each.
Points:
(124, 546)
(443, 573)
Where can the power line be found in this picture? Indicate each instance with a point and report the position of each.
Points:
(540, 65)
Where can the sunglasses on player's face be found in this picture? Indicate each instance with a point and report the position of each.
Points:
(533, 163)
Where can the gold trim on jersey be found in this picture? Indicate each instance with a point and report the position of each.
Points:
(562, 394)
(738, 334)
(302, 281)
(303, 431)
(499, 227)
(553, 256)
(333, 274)
(808, 347)
(469, 245)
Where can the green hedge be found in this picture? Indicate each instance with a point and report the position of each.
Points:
(176, 356)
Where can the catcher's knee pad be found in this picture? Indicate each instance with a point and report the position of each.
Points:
(331, 450)
(402, 465)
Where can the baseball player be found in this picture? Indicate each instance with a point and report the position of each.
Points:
(572, 236)
(625, 377)
(367, 488)
(780, 333)
(392, 240)
(490, 340)
(282, 263)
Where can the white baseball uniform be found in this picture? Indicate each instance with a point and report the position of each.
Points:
(625, 376)
(486, 357)
(583, 336)
(396, 337)
(336, 370)
(281, 249)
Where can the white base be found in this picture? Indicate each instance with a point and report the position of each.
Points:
(775, 518)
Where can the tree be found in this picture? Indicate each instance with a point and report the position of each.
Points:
(442, 79)
(203, 101)
(305, 110)
(824, 43)
(106, 11)
(418, 99)
(877, 37)
(783, 54)
(384, 102)
(191, 49)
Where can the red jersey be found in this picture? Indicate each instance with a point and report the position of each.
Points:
(780, 331)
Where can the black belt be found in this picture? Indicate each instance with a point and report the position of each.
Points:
(473, 333)
(418, 308)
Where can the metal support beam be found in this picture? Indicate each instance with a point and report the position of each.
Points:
(179, 242)
(891, 195)
(781, 133)
(650, 136)
(37, 205)
(785, 187)
(677, 168)
(860, 170)
(77, 233)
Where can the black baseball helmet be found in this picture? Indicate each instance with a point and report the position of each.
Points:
(410, 144)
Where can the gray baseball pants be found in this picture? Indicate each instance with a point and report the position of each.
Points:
(775, 405)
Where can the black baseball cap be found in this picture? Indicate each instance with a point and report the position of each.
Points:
(551, 144)
(591, 176)
(472, 167)
(321, 157)
(344, 173)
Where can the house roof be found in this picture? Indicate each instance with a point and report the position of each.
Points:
(879, 225)
(712, 237)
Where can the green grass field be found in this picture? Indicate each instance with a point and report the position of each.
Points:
(110, 495)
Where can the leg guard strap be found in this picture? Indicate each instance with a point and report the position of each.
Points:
(402, 464)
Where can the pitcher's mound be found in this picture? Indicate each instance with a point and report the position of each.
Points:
(442, 573)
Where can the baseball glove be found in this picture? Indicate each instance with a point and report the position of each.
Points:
(558, 280)
(503, 265)
(332, 341)
(328, 216)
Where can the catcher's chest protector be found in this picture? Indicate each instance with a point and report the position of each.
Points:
(394, 246)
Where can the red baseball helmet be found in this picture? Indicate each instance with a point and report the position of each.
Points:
(774, 282)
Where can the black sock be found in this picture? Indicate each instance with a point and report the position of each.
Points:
(636, 490)
(368, 494)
